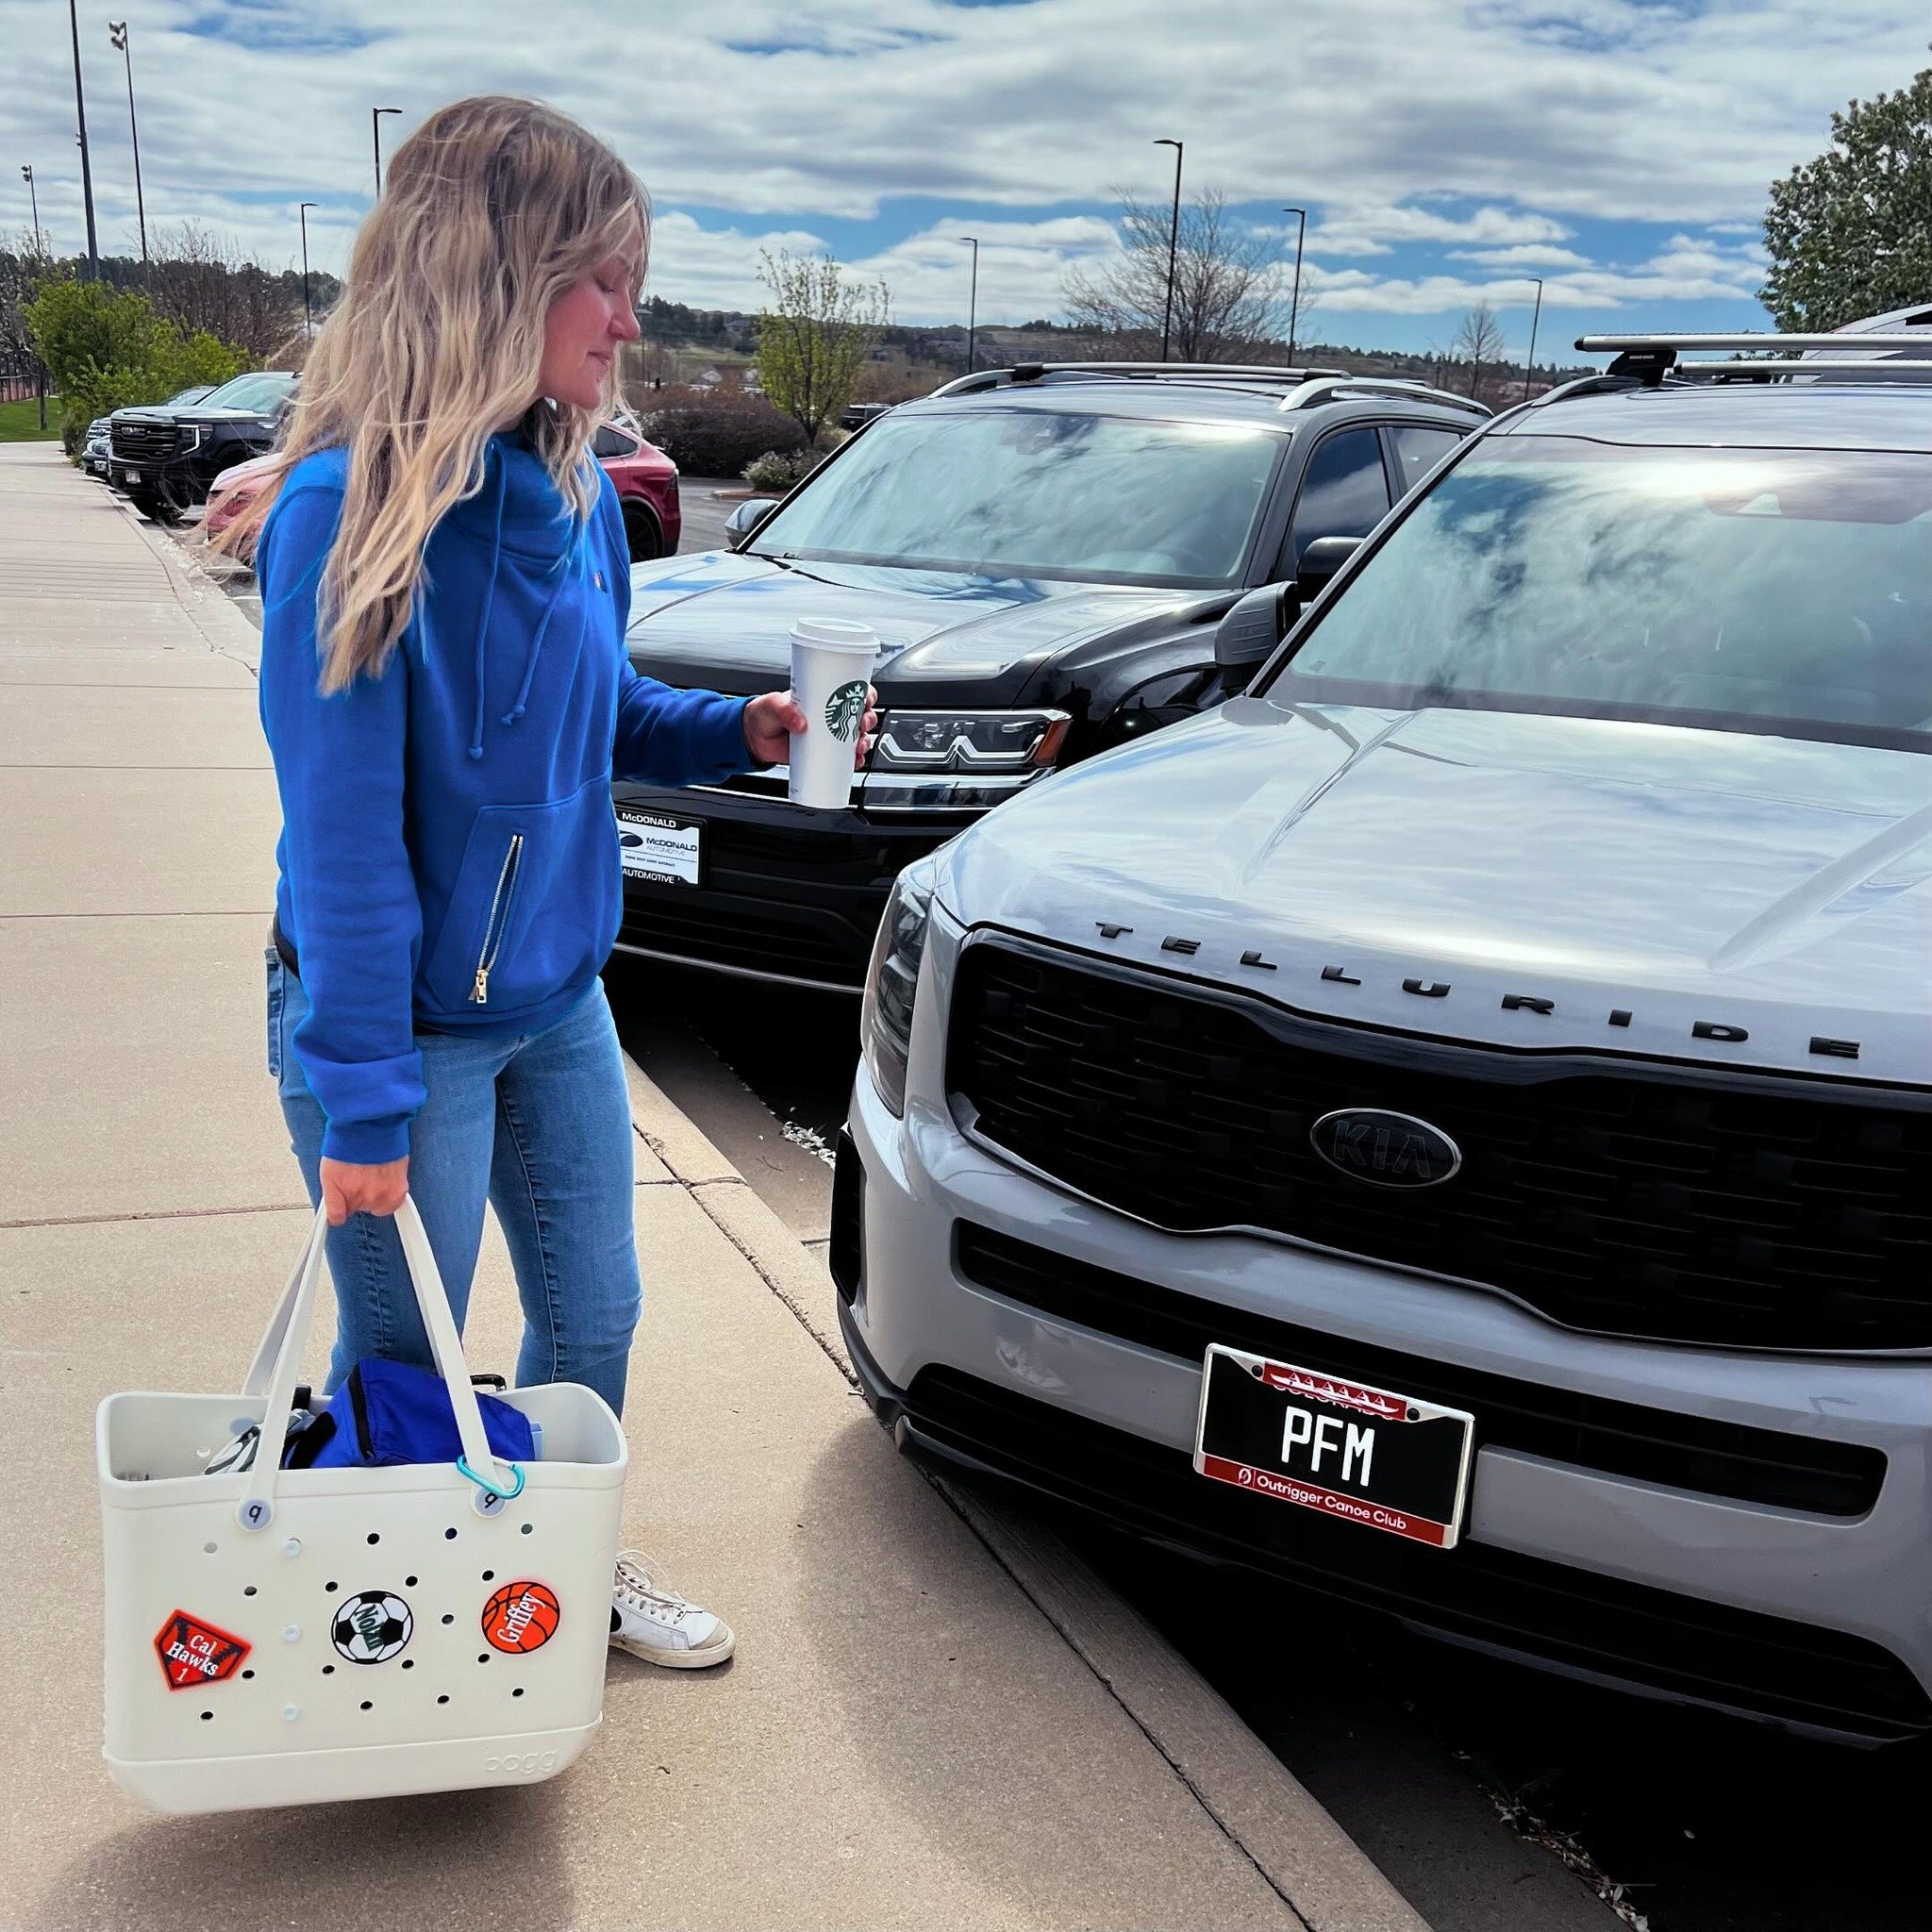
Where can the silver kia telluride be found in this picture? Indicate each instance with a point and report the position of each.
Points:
(1453, 1127)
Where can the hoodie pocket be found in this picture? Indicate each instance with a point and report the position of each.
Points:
(532, 909)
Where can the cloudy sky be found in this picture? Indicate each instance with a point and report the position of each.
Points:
(1445, 150)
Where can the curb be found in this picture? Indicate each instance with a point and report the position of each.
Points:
(207, 606)
(1317, 1870)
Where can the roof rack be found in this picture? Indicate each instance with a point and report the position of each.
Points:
(1649, 359)
(1239, 374)
(1333, 388)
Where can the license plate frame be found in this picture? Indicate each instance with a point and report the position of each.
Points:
(661, 848)
(1420, 1491)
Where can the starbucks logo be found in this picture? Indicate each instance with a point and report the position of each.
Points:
(844, 709)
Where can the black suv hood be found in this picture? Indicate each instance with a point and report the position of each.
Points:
(724, 620)
(196, 412)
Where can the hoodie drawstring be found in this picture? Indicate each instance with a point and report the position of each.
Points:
(573, 555)
(488, 603)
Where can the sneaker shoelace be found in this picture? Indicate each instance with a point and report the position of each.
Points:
(649, 1599)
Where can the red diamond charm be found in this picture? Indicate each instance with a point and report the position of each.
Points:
(193, 1653)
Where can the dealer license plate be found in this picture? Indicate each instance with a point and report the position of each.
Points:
(1360, 1455)
(132, 475)
(666, 851)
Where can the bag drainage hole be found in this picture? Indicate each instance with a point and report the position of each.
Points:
(490, 1576)
(517, 1691)
(447, 1618)
(449, 1535)
(328, 1670)
(206, 1715)
(247, 1673)
(445, 1699)
(375, 1536)
(408, 1663)
(410, 1582)
(208, 1549)
(528, 1527)
(366, 1706)
(249, 1591)
(328, 1586)
(484, 1658)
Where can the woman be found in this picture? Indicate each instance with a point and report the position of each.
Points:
(445, 586)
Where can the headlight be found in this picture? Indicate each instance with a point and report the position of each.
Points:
(892, 984)
(969, 741)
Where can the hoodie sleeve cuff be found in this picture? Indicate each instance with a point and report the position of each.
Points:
(367, 1144)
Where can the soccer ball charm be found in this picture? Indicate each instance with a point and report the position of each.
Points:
(370, 1627)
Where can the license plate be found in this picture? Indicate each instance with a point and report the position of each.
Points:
(1360, 1455)
(666, 851)
(132, 475)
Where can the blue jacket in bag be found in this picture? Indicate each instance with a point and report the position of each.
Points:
(386, 1413)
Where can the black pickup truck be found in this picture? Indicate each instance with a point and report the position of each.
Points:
(1045, 553)
(166, 456)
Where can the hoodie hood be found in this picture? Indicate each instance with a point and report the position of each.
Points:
(522, 518)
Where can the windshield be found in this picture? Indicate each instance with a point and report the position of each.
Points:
(1036, 492)
(1784, 591)
(193, 393)
(261, 390)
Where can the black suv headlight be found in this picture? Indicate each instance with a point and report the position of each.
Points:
(892, 984)
(968, 741)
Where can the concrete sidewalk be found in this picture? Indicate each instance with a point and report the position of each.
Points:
(932, 1720)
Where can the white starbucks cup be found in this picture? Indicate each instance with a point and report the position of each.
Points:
(831, 673)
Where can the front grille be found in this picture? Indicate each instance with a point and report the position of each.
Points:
(1753, 1465)
(743, 935)
(144, 442)
(1577, 1619)
(1683, 1205)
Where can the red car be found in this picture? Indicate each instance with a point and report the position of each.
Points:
(645, 477)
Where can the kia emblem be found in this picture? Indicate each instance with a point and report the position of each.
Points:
(1389, 1150)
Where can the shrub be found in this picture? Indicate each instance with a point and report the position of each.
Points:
(717, 434)
(779, 470)
(106, 349)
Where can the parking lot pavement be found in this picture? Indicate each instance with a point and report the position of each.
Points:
(706, 509)
(908, 1737)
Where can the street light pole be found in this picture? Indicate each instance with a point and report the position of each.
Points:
(375, 115)
(971, 302)
(1174, 237)
(86, 173)
(1294, 301)
(307, 326)
(117, 33)
(26, 174)
(1529, 370)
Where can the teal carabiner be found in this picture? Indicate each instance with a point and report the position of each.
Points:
(483, 1482)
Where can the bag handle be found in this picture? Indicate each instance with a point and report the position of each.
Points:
(278, 1361)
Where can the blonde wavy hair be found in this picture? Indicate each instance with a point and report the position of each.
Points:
(491, 210)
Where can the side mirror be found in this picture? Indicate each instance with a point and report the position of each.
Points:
(747, 517)
(1250, 631)
(1319, 562)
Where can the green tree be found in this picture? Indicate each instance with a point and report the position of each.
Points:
(105, 349)
(814, 336)
(1850, 234)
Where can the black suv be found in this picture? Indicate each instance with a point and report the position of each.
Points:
(1046, 553)
(166, 456)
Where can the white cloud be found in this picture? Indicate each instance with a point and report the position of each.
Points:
(1346, 230)
(1523, 255)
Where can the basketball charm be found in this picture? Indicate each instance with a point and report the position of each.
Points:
(371, 1627)
(521, 1617)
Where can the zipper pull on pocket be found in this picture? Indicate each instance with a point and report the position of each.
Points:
(479, 993)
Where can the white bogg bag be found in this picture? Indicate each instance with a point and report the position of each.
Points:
(285, 1637)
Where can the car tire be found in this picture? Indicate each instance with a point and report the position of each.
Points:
(641, 532)
(155, 507)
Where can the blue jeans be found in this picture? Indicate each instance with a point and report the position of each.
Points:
(539, 1125)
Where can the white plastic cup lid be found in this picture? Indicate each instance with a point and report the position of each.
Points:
(837, 634)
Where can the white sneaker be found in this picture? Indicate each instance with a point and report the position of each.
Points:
(652, 1622)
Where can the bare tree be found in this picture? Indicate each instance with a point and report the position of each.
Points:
(1228, 303)
(1479, 341)
(202, 280)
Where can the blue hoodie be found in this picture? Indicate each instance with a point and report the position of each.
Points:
(449, 857)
